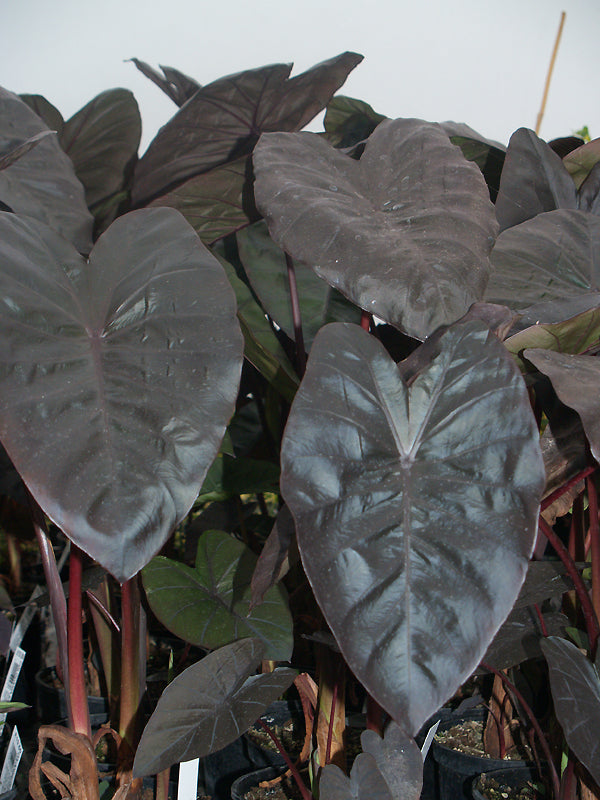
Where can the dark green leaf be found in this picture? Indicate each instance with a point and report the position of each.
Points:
(209, 605)
(349, 121)
(394, 482)
(405, 232)
(576, 694)
(134, 357)
(208, 706)
(235, 476)
(224, 119)
(265, 265)
(42, 184)
(579, 162)
(217, 202)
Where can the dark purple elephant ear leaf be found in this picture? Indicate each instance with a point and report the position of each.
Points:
(405, 233)
(365, 782)
(223, 120)
(576, 381)
(41, 183)
(534, 179)
(393, 484)
(175, 84)
(117, 377)
(575, 688)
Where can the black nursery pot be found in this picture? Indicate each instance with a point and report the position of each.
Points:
(512, 779)
(277, 715)
(242, 785)
(51, 700)
(455, 770)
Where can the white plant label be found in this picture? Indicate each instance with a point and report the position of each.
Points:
(188, 780)
(20, 628)
(11, 679)
(11, 762)
(429, 739)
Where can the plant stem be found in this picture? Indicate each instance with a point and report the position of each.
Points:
(296, 316)
(291, 766)
(591, 621)
(542, 739)
(58, 603)
(547, 501)
(130, 662)
(594, 543)
(80, 717)
(365, 321)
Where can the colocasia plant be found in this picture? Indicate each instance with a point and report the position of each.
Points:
(378, 342)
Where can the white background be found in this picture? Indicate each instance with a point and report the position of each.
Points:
(473, 61)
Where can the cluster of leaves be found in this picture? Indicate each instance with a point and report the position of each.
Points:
(147, 305)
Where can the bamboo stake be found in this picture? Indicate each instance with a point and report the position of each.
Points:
(538, 124)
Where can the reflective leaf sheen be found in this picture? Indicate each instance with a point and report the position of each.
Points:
(411, 500)
(576, 695)
(117, 377)
(208, 706)
(41, 184)
(405, 232)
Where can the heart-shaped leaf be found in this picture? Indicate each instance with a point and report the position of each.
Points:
(554, 256)
(576, 695)
(576, 381)
(405, 232)
(101, 139)
(365, 782)
(224, 119)
(208, 706)
(209, 606)
(398, 759)
(266, 268)
(411, 496)
(117, 377)
(42, 184)
(534, 179)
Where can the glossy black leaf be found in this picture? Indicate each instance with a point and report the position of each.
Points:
(575, 688)
(209, 705)
(224, 119)
(534, 179)
(404, 233)
(175, 84)
(411, 502)
(101, 140)
(576, 381)
(42, 184)
(553, 257)
(118, 377)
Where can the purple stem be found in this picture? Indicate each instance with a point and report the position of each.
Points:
(298, 335)
(510, 687)
(80, 716)
(591, 622)
(291, 766)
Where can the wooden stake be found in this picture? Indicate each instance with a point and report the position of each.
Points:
(538, 124)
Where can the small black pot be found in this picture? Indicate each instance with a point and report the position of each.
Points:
(246, 782)
(513, 777)
(277, 714)
(52, 703)
(455, 770)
